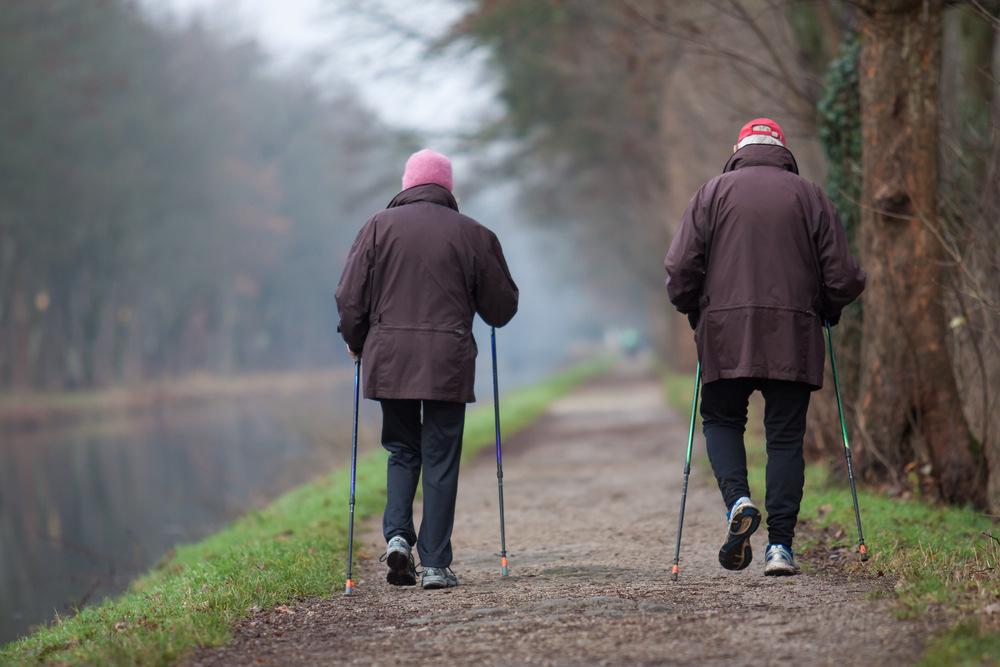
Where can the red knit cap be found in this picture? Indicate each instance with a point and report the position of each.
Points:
(761, 131)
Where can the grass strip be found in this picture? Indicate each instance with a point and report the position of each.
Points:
(291, 549)
(942, 558)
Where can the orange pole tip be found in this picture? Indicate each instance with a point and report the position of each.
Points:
(863, 549)
(349, 586)
(675, 569)
(503, 561)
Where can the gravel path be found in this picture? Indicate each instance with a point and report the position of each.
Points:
(592, 493)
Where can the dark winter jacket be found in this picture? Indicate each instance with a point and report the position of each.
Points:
(761, 259)
(416, 275)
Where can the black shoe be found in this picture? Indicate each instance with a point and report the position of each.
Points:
(399, 559)
(744, 518)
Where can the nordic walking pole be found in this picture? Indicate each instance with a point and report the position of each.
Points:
(862, 549)
(675, 570)
(496, 414)
(349, 584)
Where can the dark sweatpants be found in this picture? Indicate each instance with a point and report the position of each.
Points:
(724, 417)
(435, 444)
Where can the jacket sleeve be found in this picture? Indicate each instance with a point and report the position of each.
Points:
(685, 260)
(843, 279)
(354, 289)
(495, 292)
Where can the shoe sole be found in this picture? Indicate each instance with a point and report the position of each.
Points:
(399, 573)
(779, 571)
(736, 553)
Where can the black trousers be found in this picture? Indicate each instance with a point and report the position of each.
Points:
(432, 443)
(724, 420)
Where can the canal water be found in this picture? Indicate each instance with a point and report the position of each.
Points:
(85, 509)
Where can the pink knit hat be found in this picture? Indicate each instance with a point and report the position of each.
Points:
(427, 166)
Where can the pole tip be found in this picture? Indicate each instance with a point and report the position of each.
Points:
(503, 566)
(674, 571)
(348, 587)
(863, 550)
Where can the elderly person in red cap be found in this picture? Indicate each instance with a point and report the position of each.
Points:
(417, 274)
(759, 263)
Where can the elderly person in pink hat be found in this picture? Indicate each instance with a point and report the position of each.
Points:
(417, 274)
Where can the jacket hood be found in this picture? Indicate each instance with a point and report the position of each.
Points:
(427, 192)
(762, 155)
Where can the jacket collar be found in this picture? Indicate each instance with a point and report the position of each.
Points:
(428, 192)
(762, 155)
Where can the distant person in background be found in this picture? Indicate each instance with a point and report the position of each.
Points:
(417, 274)
(630, 342)
(759, 263)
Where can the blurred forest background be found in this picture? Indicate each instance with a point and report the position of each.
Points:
(171, 203)
(166, 203)
(626, 108)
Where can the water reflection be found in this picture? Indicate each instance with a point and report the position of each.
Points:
(84, 511)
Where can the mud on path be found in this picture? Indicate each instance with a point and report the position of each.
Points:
(591, 496)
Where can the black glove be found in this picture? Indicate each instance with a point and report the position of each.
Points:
(821, 306)
(693, 319)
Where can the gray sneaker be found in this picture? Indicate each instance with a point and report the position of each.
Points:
(779, 561)
(438, 577)
(399, 559)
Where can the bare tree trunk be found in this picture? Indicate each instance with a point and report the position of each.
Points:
(909, 409)
(991, 212)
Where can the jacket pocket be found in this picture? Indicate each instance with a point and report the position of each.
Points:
(760, 340)
(457, 331)
(763, 306)
(439, 360)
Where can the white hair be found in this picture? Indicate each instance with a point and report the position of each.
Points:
(759, 139)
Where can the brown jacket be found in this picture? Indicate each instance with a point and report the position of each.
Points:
(761, 259)
(416, 275)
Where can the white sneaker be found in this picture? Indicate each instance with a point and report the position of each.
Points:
(779, 561)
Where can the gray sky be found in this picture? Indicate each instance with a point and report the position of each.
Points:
(438, 96)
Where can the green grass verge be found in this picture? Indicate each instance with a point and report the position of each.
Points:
(966, 643)
(940, 557)
(294, 548)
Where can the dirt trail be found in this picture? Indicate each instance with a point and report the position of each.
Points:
(592, 494)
